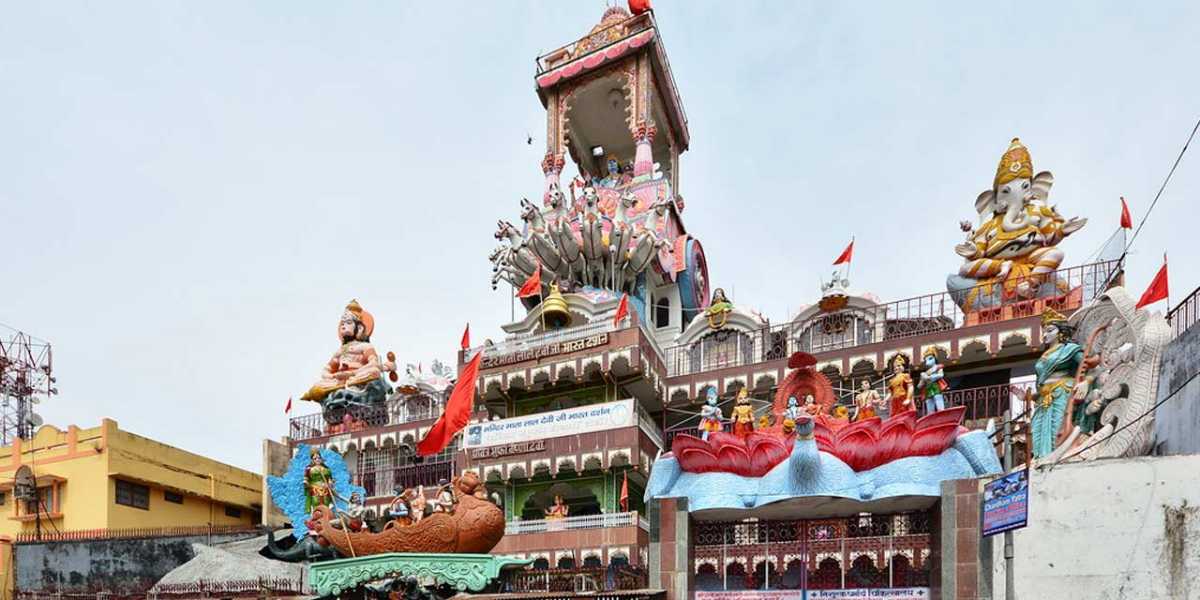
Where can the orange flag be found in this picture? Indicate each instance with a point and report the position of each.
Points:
(457, 413)
(532, 286)
(622, 309)
(1158, 287)
(1126, 220)
(846, 254)
(625, 493)
(288, 409)
(466, 340)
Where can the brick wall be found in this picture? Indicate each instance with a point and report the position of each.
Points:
(671, 548)
(965, 567)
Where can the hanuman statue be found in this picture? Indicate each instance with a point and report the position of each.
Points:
(354, 375)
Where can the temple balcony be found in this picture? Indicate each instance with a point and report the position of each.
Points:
(858, 340)
(598, 540)
(403, 419)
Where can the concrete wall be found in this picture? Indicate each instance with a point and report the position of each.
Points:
(115, 566)
(1177, 420)
(1118, 528)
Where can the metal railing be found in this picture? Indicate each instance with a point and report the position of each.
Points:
(647, 425)
(850, 327)
(600, 521)
(381, 482)
(1185, 314)
(581, 579)
(396, 411)
(528, 341)
(87, 535)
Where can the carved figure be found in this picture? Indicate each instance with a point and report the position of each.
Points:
(558, 510)
(565, 238)
(718, 310)
(1013, 252)
(595, 246)
(933, 382)
(865, 401)
(354, 375)
(539, 238)
(791, 415)
(620, 236)
(1055, 381)
(743, 414)
(900, 386)
(446, 498)
(418, 503)
(646, 244)
(475, 526)
(398, 510)
(318, 483)
(710, 414)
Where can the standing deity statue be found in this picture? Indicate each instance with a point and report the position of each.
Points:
(865, 401)
(354, 374)
(558, 510)
(743, 414)
(445, 500)
(791, 414)
(1013, 253)
(710, 414)
(900, 386)
(811, 408)
(1055, 371)
(318, 483)
(933, 382)
(417, 504)
(398, 510)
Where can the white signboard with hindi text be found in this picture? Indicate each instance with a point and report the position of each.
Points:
(570, 421)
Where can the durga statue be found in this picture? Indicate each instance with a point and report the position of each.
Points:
(1013, 253)
(354, 374)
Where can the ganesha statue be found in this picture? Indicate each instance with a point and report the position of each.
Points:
(354, 375)
(1012, 254)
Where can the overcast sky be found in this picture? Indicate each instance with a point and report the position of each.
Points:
(191, 192)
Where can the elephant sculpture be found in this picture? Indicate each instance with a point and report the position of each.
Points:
(305, 549)
(1013, 252)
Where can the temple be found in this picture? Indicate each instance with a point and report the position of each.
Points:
(641, 430)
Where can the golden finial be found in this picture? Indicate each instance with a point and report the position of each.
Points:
(1015, 164)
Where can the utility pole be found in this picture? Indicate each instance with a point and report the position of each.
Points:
(1010, 592)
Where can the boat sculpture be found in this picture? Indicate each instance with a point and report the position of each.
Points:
(474, 526)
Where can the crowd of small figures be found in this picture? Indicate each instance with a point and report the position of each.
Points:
(408, 507)
(930, 387)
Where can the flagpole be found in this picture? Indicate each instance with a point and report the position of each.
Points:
(1168, 311)
(850, 262)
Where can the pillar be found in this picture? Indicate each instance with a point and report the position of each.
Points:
(964, 559)
(671, 555)
(643, 156)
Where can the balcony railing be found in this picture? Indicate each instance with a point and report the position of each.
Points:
(847, 328)
(583, 579)
(396, 411)
(594, 41)
(381, 482)
(1185, 314)
(529, 341)
(600, 521)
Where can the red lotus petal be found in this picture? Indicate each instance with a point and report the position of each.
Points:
(858, 449)
(766, 451)
(697, 460)
(733, 459)
(717, 439)
(895, 437)
(950, 415)
(871, 425)
(685, 441)
(933, 440)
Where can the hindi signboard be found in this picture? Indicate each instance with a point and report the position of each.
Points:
(1006, 503)
(909, 593)
(570, 421)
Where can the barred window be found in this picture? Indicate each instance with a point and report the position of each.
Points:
(172, 497)
(133, 494)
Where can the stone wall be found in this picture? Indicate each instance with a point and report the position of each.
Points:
(1108, 529)
(1177, 420)
(963, 560)
(129, 566)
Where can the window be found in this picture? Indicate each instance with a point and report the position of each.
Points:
(43, 503)
(233, 511)
(172, 497)
(3, 497)
(662, 312)
(133, 494)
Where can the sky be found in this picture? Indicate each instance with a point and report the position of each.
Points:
(191, 192)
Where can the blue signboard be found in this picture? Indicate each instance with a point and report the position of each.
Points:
(1006, 503)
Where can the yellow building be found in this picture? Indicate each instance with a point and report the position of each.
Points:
(104, 478)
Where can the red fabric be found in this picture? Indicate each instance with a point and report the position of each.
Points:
(622, 309)
(1158, 288)
(287, 409)
(466, 340)
(457, 413)
(846, 254)
(532, 286)
(625, 493)
(638, 7)
(1126, 220)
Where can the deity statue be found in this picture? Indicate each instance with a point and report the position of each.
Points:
(719, 309)
(810, 406)
(354, 375)
(933, 382)
(398, 510)
(352, 517)
(613, 178)
(558, 510)
(710, 414)
(1055, 381)
(791, 414)
(865, 401)
(417, 504)
(1013, 253)
(318, 483)
(445, 500)
(900, 386)
(743, 414)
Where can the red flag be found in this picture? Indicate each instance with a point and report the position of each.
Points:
(625, 493)
(466, 341)
(457, 413)
(638, 7)
(1126, 220)
(622, 309)
(846, 254)
(1158, 288)
(532, 286)
(288, 409)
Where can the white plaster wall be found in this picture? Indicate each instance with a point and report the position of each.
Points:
(1099, 530)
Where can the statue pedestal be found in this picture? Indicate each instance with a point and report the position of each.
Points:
(466, 572)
